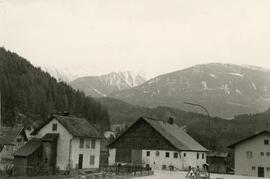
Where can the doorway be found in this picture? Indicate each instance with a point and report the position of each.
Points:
(260, 172)
(80, 161)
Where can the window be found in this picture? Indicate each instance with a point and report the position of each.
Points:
(157, 153)
(268, 154)
(266, 142)
(175, 155)
(202, 155)
(198, 155)
(147, 153)
(249, 154)
(92, 160)
(54, 127)
(185, 154)
(93, 143)
(87, 144)
(46, 160)
(268, 169)
(262, 153)
(167, 154)
(81, 143)
(253, 168)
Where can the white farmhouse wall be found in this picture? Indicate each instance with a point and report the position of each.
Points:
(112, 155)
(86, 152)
(156, 162)
(181, 163)
(243, 165)
(63, 143)
(191, 159)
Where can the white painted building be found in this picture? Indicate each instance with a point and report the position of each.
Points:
(78, 144)
(252, 155)
(157, 144)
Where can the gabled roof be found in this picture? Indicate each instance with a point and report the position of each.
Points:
(78, 127)
(248, 138)
(172, 133)
(28, 148)
(9, 134)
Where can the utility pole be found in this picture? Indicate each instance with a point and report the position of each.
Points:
(209, 128)
(209, 121)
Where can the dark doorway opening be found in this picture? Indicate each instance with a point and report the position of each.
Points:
(260, 172)
(80, 161)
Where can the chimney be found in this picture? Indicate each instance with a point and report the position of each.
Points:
(66, 113)
(171, 120)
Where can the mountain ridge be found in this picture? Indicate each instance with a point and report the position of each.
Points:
(225, 89)
(101, 86)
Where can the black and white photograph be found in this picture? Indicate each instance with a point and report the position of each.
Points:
(143, 89)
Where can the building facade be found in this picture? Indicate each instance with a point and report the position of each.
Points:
(252, 155)
(11, 139)
(157, 144)
(78, 144)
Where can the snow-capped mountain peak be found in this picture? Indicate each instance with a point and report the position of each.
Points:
(105, 84)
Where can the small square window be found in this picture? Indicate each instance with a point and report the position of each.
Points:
(268, 169)
(268, 154)
(54, 127)
(147, 153)
(157, 153)
(249, 154)
(175, 155)
(93, 144)
(262, 153)
(87, 143)
(253, 168)
(266, 142)
(167, 154)
(92, 160)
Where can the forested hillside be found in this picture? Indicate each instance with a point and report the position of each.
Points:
(224, 132)
(29, 95)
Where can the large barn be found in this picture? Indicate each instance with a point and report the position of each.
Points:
(158, 144)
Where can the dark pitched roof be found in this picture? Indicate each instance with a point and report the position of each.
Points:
(173, 134)
(9, 135)
(49, 137)
(248, 138)
(78, 127)
(28, 148)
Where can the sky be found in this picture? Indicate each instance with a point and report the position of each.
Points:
(150, 36)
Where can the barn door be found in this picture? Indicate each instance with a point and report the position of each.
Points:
(260, 172)
(136, 156)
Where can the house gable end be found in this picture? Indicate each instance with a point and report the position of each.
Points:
(141, 135)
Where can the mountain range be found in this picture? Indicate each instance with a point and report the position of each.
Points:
(225, 90)
(101, 86)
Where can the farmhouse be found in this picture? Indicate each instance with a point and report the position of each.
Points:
(157, 144)
(67, 142)
(252, 155)
(11, 139)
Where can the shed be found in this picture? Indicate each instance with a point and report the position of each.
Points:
(28, 159)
